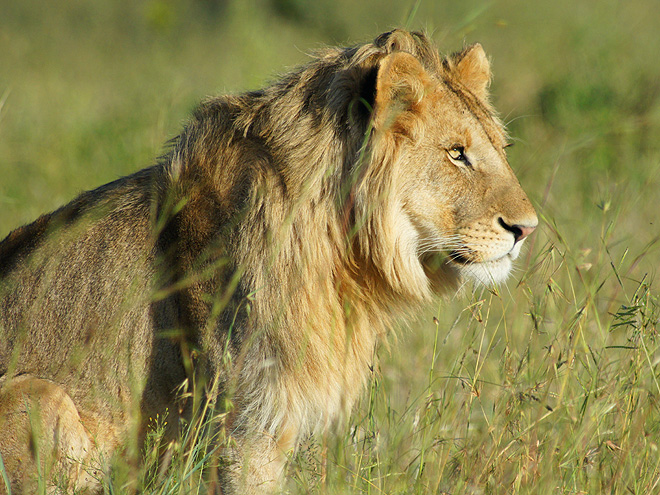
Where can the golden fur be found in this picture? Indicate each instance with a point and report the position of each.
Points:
(269, 250)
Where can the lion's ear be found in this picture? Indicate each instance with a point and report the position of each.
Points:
(401, 85)
(472, 68)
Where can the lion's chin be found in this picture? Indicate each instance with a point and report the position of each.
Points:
(488, 272)
(446, 272)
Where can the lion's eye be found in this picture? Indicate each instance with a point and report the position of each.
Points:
(457, 153)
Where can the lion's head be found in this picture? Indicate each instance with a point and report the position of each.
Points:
(438, 198)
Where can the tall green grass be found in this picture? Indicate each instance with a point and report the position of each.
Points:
(548, 384)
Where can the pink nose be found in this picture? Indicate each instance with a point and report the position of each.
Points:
(524, 231)
(519, 231)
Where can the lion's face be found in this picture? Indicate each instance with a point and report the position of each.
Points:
(454, 184)
(462, 196)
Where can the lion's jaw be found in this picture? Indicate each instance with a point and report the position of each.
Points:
(488, 272)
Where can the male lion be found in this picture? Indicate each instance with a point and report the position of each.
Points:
(266, 253)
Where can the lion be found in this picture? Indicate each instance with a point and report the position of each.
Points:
(260, 260)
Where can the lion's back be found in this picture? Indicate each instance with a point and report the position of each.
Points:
(73, 280)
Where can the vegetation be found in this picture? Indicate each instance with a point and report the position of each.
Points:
(546, 385)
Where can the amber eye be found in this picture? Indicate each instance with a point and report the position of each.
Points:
(457, 153)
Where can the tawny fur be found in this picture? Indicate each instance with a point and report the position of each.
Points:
(271, 249)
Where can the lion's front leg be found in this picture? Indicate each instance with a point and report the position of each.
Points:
(254, 462)
(253, 469)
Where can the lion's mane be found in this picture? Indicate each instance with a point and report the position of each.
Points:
(298, 174)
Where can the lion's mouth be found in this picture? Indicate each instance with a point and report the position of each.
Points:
(459, 258)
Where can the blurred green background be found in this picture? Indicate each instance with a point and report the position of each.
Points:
(92, 90)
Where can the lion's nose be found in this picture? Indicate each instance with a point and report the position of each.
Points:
(519, 231)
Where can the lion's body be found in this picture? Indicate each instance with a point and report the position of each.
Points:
(269, 250)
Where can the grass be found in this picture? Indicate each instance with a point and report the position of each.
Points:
(546, 385)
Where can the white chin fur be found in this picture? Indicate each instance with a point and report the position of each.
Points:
(491, 272)
(488, 272)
